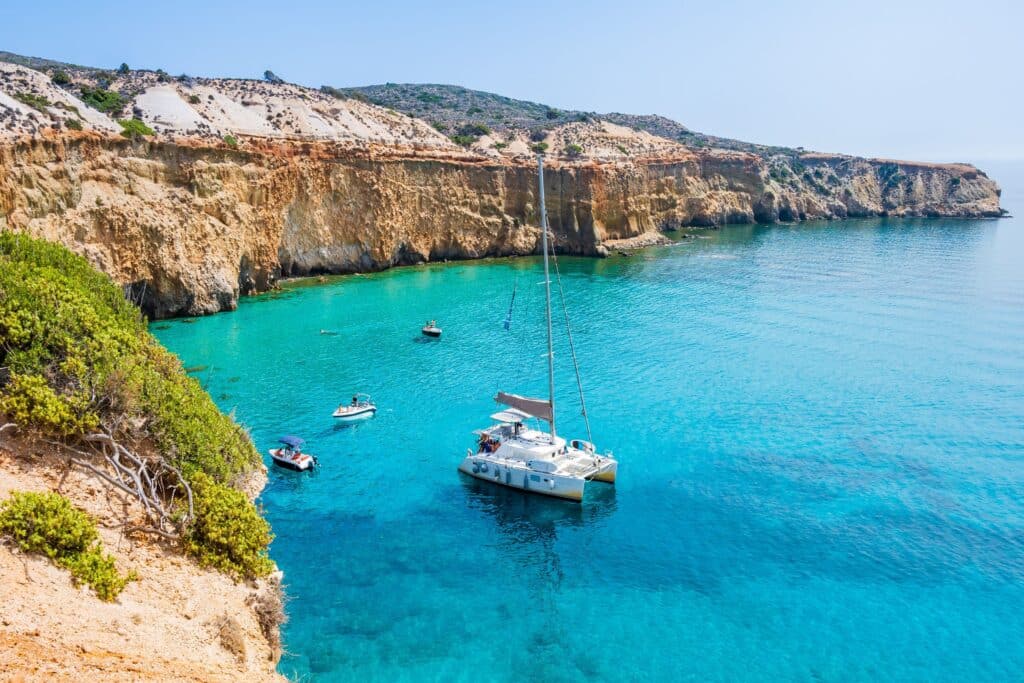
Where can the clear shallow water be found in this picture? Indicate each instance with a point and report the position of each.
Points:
(821, 431)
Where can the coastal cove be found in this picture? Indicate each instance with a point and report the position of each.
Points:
(820, 430)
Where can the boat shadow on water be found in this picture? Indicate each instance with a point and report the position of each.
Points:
(521, 510)
(285, 479)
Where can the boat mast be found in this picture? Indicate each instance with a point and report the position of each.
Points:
(547, 292)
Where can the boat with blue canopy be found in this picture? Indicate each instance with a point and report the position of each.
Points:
(290, 456)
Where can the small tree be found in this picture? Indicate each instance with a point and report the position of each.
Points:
(540, 147)
(270, 77)
(134, 128)
(123, 69)
(573, 150)
(464, 140)
(475, 129)
(60, 77)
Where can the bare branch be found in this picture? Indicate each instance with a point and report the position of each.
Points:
(152, 482)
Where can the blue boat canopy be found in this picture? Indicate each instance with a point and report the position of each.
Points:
(292, 441)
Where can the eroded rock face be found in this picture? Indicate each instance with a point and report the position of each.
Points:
(191, 227)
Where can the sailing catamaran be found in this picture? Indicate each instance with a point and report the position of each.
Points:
(511, 454)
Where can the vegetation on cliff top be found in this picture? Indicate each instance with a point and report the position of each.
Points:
(47, 523)
(77, 363)
(134, 128)
(451, 107)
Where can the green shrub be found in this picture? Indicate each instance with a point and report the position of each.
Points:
(73, 124)
(464, 140)
(124, 69)
(230, 141)
(573, 150)
(47, 523)
(60, 77)
(194, 99)
(540, 147)
(31, 99)
(79, 356)
(343, 94)
(475, 129)
(106, 101)
(28, 399)
(228, 532)
(98, 571)
(134, 128)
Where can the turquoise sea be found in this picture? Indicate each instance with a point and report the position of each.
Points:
(821, 436)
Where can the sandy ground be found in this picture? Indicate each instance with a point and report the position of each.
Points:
(17, 118)
(166, 626)
(212, 108)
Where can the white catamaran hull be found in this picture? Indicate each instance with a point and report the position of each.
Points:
(516, 476)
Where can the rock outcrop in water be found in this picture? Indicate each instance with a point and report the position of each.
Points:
(246, 182)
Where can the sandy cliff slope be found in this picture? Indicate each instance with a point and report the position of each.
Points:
(178, 622)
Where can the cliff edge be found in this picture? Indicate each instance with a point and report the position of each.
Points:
(192, 192)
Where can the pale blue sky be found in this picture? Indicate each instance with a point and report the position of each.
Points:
(932, 80)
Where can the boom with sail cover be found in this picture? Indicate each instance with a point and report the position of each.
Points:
(536, 407)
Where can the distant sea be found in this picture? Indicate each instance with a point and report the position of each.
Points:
(821, 436)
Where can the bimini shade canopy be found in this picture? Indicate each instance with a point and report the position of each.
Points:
(533, 407)
(292, 441)
(510, 415)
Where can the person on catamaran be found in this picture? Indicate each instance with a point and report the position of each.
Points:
(355, 401)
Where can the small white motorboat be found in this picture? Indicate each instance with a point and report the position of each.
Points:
(431, 329)
(361, 408)
(290, 455)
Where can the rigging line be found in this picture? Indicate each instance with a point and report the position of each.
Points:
(501, 379)
(522, 336)
(508, 317)
(572, 346)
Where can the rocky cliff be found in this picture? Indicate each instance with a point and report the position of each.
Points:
(192, 217)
